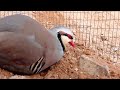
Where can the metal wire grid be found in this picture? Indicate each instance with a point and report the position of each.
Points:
(99, 30)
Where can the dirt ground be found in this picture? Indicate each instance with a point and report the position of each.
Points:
(67, 67)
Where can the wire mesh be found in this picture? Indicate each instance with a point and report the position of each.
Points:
(99, 30)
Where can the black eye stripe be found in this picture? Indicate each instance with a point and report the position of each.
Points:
(65, 34)
(69, 36)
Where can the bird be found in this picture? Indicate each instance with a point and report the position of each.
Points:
(27, 47)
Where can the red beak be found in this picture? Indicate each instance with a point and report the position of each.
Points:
(72, 43)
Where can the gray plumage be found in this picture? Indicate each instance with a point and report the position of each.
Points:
(26, 47)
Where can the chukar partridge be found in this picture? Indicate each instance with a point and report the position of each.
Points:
(26, 47)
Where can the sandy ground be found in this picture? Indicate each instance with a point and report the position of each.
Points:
(68, 67)
(97, 30)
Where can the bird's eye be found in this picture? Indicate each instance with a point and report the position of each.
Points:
(69, 36)
(65, 34)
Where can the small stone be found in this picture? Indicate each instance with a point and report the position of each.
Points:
(81, 72)
(87, 52)
(93, 68)
(76, 69)
(17, 77)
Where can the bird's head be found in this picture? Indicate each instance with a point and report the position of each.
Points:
(65, 36)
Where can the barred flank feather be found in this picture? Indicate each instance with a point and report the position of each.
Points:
(36, 67)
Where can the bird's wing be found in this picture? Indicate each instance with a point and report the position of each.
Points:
(18, 50)
(25, 25)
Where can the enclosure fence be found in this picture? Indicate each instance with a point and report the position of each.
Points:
(97, 30)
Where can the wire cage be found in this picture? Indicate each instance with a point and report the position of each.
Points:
(98, 30)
